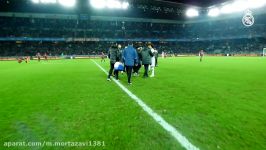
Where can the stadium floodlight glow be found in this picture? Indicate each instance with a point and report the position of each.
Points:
(111, 4)
(239, 5)
(48, 1)
(214, 12)
(125, 5)
(226, 9)
(242, 5)
(192, 12)
(236, 6)
(99, 4)
(35, 1)
(67, 3)
(256, 3)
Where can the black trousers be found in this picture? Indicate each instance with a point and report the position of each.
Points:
(146, 69)
(111, 71)
(136, 68)
(129, 72)
(156, 61)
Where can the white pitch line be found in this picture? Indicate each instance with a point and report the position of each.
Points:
(176, 134)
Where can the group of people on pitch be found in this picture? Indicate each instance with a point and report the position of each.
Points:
(28, 58)
(132, 58)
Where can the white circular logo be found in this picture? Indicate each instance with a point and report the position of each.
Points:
(248, 19)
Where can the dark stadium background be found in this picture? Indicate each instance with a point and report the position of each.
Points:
(163, 22)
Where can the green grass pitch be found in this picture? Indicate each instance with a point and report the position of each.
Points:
(219, 103)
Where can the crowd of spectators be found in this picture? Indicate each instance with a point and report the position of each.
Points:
(65, 28)
(221, 36)
(241, 46)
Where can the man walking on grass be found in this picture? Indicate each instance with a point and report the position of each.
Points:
(113, 55)
(146, 55)
(130, 57)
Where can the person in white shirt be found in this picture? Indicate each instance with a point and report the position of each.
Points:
(153, 62)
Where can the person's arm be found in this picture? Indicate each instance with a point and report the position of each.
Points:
(140, 56)
(119, 56)
(136, 57)
(151, 54)
(117, 59)
(123, 55)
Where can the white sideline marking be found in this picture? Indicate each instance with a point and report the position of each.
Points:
(176, 134)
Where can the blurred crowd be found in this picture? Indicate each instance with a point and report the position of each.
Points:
(70, 28)
(242, 46)
(221, 36)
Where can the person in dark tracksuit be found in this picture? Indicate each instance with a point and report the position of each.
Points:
(146, 55)
(113, 55)
(138, 66)
(130, 59)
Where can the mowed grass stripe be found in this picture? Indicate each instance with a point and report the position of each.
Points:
(176, 134)
(218, 104)
(72, 102)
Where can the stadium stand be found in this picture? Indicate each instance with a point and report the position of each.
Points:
(29, 33)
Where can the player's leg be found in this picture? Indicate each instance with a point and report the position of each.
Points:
(116, 74)
(153, 62)
(129, 72)
(138, 68)
(146, 68)
(135, 69)
(152, 71)
(122, 72)
(152, 68)
(110, 71)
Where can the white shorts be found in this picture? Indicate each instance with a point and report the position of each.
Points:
(153, 62)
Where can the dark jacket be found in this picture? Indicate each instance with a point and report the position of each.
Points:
(139, 55)
(120, 55)
(146, 55)
(113, 54)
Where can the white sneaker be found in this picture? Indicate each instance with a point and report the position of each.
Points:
(108, 79)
